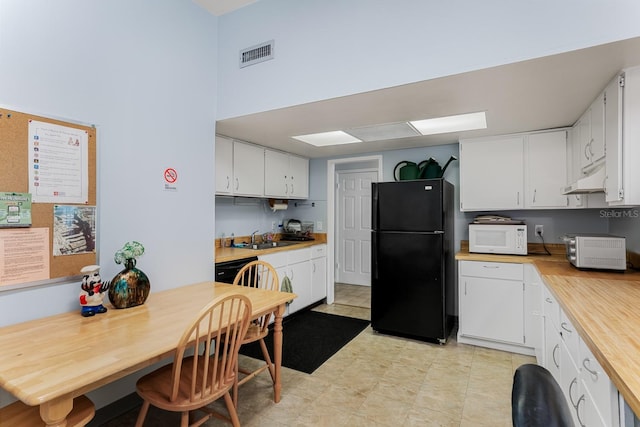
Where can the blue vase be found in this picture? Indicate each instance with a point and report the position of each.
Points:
(130, 287)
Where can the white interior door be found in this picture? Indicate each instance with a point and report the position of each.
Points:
(354, 227)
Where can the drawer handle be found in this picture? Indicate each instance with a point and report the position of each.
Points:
(553, 356)
(573, 382)
(563, 325)
(581, 400)
(491, 266)
(593, 373)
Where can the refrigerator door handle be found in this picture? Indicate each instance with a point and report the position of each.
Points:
(438, 232)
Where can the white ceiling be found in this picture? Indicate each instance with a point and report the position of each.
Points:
(542, 93)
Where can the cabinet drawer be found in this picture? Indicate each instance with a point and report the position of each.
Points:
(550, 308)
(598, 384)
(277, 260)
(298, 255)
(569, 336)
(492, 270)
(318, 251)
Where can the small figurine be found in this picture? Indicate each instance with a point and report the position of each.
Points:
(93, 290)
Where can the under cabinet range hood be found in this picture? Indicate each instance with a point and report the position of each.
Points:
(591, 183)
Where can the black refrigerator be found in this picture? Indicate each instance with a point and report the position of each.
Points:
(412, 279)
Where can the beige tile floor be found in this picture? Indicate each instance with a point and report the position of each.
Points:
(380, 380)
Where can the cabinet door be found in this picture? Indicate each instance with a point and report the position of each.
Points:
(298, 177)
(276, 174)
(491, 174)
(318, 279)
(224, 165)
(596, 146)
(248, 169)
(584, 126)
(546, 170)
(492, 309)
(613, 141)
(300, 276)
(552, 349)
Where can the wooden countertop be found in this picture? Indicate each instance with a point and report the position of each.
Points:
(605, 309)
(232, 254)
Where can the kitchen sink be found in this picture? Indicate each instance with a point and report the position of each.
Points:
(269, 245)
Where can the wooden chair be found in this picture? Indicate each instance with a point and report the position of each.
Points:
(208, 372)
(256, 274)
(18, 414)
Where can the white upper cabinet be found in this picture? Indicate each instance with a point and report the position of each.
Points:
(285, 175)
(248, 170)
(224, 165)
(590, 129)
(276, 174)
(491, 173)
(299, 177)
(622, 184)
(546, 170)
(512, 172)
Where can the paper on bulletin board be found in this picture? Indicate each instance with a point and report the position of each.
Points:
(58, 163)
(15, 210)
(24, 255)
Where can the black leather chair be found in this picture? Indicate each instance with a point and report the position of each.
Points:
(537, 399)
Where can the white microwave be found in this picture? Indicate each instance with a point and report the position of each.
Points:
(498, 239)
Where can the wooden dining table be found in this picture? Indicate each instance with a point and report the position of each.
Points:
(49, 361)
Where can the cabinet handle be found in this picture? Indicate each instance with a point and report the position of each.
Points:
(586, 147)
(286, 189)
(228, 182)
(518, 198)
(465, 287)
(591, 147)
(291, 188)
(534, 195)
(581, 400)
(563, 325)
(567, 200)
(548, 300)
(593, 373)
(574, 381)
(237, 184)
(314, 267)
(553, 356)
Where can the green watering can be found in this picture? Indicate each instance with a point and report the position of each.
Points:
(431, 169)
(406, 170)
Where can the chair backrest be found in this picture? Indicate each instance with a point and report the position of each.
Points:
(211, 343)
(262, 275)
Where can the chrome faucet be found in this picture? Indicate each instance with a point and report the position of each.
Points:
(253, 237)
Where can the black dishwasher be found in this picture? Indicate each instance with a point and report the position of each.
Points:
(226, 271)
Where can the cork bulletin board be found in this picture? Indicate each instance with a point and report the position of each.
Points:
(15, 164)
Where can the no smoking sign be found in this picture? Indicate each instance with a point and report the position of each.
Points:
(170, 179)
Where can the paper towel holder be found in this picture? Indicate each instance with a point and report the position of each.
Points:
(278, 204)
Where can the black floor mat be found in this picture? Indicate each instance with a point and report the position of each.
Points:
(309, 339)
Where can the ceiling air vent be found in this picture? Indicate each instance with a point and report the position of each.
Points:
(256, 54)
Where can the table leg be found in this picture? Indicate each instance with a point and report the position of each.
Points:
(277, 351)
(54, 413)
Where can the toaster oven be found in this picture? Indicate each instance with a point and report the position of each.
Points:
(596, 251)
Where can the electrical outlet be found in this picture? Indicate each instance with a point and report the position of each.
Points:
(539, 230)
(319, 225)
(273, 225)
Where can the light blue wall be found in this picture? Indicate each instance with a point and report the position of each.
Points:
(144, 72)
(330, 48)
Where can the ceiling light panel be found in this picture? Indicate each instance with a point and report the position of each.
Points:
(448, 124)
(322, 139)
(382, 132)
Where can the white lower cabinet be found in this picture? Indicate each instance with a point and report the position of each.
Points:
(590, 394)
(318, 272)
(492, 305)
(301, 266)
